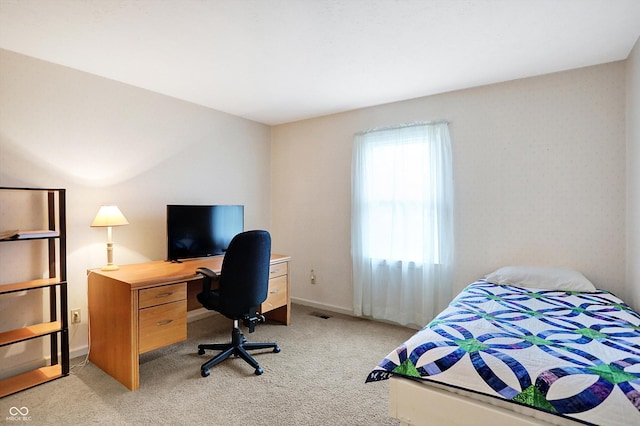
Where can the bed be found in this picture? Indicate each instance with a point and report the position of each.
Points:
(524, 345)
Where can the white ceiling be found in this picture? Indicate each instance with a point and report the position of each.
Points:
(276, 61)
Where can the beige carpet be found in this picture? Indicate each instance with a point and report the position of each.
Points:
(317, 379)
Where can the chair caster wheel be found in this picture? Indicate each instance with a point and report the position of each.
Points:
(258, 371)
(200, 351)
(276, 349)
(205, 373)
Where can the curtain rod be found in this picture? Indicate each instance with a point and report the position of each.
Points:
(400, 126)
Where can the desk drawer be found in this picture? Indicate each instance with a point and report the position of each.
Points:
(277, 294)
(278, 269)
(162, 325)
(162, 294)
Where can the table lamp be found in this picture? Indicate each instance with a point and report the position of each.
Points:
(109, 216)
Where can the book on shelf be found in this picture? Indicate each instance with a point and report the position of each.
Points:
(16, 234)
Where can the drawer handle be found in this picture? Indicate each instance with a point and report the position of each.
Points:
(161, 323)
(275, 291)
(164, 295)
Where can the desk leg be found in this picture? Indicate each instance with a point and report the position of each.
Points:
(281, 314)
(113, 318)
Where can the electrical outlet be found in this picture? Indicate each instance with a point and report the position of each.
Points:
(75, 316)
(312, 277)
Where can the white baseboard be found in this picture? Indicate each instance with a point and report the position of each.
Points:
(76, 352)
(44, 361)
(22, 367)
(198, 314)
(323, 306)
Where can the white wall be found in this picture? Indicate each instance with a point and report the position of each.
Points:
(539, 170)
(633, 176)
(107, 142)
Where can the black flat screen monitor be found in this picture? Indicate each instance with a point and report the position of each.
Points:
(200, 231)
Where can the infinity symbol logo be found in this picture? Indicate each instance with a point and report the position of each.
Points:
(14, 411)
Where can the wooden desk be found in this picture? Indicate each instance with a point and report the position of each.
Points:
(144, 306)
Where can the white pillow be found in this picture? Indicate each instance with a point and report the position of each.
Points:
(542, 277)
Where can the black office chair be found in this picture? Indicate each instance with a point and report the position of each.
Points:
(242, 286)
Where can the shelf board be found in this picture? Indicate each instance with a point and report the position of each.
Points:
(29, 285)
(11, 188)
(29, 379)
(26, 333)
(41, 238)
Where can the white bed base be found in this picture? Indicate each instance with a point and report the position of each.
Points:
(417, 404)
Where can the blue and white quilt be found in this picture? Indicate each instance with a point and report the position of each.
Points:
(572, 354)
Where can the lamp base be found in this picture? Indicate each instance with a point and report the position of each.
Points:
(110, 268)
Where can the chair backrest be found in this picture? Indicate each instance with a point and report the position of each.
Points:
(244, 278)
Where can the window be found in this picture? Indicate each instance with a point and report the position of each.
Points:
(402, 236)
(399, 201)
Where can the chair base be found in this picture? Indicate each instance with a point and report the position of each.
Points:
(238, 347)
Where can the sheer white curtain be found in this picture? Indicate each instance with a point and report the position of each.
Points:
(402, 222)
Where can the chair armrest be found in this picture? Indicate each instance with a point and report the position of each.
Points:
(252, 318)
(208, 277)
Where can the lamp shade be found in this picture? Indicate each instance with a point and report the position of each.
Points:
(109, 216)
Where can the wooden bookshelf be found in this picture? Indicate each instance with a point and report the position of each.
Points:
(56, 327)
